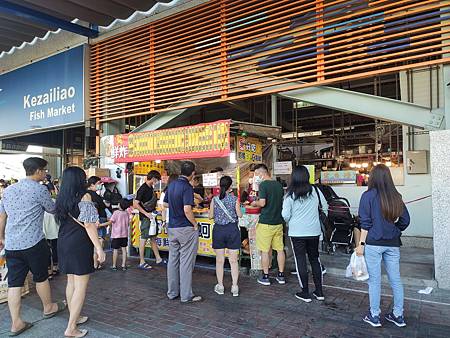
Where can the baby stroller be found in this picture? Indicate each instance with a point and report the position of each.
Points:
(339, 230)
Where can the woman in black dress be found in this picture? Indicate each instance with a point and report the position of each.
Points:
(78, 218)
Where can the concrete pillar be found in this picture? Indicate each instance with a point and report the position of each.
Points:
(440, 173)
(274, 111)
(114, 127)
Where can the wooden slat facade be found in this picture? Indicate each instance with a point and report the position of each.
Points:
(234, 49)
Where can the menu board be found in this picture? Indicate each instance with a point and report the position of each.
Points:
(249, 149)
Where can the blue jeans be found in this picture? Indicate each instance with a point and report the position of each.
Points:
(391, 257)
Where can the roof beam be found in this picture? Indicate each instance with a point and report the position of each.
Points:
(29, 14)
(372, 106)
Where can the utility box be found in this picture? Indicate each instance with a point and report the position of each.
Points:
(417, 162)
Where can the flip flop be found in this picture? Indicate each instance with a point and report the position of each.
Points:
(82, 320)
(144, 266)
(83, 333)
(61, 307)
(22, 330)
(162, 263)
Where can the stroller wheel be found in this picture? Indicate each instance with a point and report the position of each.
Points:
(348, 249)
(333, 248)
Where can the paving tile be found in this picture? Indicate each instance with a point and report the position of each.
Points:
(134, 304)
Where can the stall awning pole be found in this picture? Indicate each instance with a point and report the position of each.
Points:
(274, 124)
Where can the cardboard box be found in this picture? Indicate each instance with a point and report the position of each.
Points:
(100, 172)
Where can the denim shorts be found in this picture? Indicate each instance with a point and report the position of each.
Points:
(226, 236)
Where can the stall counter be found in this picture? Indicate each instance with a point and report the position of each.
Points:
(162, 239)
(206, 226)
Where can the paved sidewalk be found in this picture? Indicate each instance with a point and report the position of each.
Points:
(133, 304)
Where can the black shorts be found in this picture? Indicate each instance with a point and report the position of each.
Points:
(117, 243)
(20, 262)
(226, 236)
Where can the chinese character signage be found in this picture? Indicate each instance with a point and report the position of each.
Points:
(205, 230)
(249, 149)
(45, 94)
(282, 168)
(338, 177)
(143, 168)
(198, 141)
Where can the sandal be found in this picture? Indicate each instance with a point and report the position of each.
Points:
(163, 262)
(83, 333)
(82, 320)
(61, 307)
(195, 299)
(144, 266)
(22, 330)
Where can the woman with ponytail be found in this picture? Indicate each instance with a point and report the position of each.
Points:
(383, 217)
(226, 209)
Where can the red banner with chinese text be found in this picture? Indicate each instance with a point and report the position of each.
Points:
(198, 141)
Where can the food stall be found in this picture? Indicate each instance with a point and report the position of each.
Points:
(233, 146)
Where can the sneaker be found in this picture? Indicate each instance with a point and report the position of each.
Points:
(399, 321)
(374, 321)
(280, 278)
(318, 295)
(235, 290)
(294, 272)
(219, 289)
(324, 269)
(304, 296)
(264, 280)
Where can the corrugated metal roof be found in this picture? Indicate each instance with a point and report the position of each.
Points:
(14, 30)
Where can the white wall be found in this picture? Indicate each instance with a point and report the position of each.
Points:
(415, 187)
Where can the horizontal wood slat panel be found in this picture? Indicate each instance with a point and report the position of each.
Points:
(224, 50)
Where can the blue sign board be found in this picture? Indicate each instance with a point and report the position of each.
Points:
(43, 95)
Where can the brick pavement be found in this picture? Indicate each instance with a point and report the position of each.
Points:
(133, 304)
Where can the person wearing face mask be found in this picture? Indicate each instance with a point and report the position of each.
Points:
(145, 202)
(269, 231)
(95, 185)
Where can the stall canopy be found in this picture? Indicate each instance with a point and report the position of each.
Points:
(206, 140)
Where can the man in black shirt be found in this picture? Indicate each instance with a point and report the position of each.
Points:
(145, 197)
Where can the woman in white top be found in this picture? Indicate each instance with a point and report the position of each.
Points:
(301, 213)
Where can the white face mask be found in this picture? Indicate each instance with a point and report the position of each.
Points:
(257, 179)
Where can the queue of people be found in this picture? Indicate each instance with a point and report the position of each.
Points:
(78, 214)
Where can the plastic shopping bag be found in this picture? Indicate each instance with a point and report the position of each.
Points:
(357, 269)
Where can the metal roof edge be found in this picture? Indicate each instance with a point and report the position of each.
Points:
(138, 18)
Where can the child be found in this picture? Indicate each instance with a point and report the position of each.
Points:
(120, 222)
